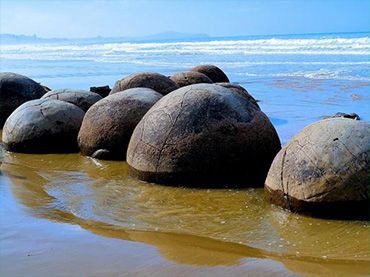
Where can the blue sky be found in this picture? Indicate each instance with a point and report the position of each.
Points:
(89, 18)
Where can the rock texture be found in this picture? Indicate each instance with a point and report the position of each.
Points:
(203, 135)
(155, 81)
(213, 72)
(16, 89)
(108, 125)
(103, 91)
(241, 91)
(183, 79)
(43, 126)
(81, 98)
(324, 170)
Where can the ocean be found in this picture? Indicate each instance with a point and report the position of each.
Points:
(298, 78)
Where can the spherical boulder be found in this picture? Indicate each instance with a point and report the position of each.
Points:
(324, 170)
(183, 79)
(108, 124)
(43, 126)
(16, 89)
(213, 72)
(155, 81)
(241, 91)
(203, 135)
(81, 98)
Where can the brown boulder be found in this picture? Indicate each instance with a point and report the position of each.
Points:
(155, 81)
(183, 79)
(15, 89)
(324, 170)
(203, 135)
(108, 124)
(213, 72)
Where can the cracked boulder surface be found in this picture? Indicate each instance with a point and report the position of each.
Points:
(241, 91)
(15, 89)
(155, 81)
(187, 78)
(213, 72)
(81, 98)
(43, 126)
(324, 171)
(108, 125)
(203, 135)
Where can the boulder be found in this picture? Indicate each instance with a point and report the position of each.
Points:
(103, 91)
(183, 79)
(203, 135)
(81, 98)
(353, 116)
(324, 170)
(108, 124)
(155, 81)
(16, 89)
(213, 72)
(241, 91)
(43, 126)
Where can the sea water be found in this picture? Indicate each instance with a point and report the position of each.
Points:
(297, 78)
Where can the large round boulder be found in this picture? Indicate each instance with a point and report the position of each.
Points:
(16, 89)
(241, 91)
(203, 135)
(183, 79)
(43, 126)
(155, 81)
(324, 170)
(81, 98)
(108, 124)
(213, 72)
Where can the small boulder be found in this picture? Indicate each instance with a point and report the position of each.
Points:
(203, 135)
(155, 81)
(353, 116)
(213, 72)
(324, 170)
(241, 91)
(103, 91)
(183, 79)
(15, 89)
(108, 124)
(81, 98)
(43, 126)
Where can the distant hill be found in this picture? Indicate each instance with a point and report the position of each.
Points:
(166, 36)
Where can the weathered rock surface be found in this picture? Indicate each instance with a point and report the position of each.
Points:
(43, 126)
(155, 81)
(103, 91)
(241, 91)
(203, 135)
(183, 79)
(15, 89)
(108, 124)
(213, 72)
(81, 98)
(324, 170)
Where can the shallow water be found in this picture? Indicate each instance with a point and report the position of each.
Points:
(197, 227)
(72, 215)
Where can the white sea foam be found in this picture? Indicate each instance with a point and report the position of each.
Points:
(273, 46)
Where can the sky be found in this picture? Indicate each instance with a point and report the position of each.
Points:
(114, 18)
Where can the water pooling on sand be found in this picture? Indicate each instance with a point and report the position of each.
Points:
(298, 80)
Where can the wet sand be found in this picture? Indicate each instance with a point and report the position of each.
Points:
(71, 215)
